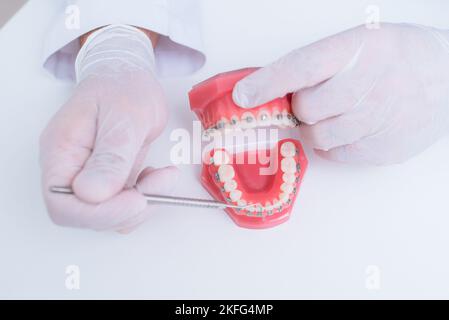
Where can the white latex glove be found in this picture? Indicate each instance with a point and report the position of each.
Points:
(97, 142)
(375, 96)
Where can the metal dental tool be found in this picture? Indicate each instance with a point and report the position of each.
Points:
(170, 200)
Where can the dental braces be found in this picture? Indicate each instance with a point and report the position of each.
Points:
(279, 119)
(224, 178)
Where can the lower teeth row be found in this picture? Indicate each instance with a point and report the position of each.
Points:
(289, 167)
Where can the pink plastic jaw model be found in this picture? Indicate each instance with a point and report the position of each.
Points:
(226, 177)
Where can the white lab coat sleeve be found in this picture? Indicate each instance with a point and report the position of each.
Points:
(179, 50)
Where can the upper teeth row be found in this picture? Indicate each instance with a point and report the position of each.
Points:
(289, 167)
(249, 121)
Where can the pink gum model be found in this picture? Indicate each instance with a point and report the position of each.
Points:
(229, 179)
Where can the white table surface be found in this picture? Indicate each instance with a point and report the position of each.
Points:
(347, 218)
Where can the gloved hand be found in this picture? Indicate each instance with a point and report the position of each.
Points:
(97, 142)
(375, 96)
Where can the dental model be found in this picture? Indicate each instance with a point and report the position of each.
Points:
(226, 177)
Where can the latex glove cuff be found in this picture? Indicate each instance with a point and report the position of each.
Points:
(114, 49)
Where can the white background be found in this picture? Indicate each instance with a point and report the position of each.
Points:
(346, 219)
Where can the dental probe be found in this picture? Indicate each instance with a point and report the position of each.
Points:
(170, 200)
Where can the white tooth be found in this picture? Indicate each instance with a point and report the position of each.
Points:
(288, 165)
(276, 203)
(230, 185)
(221, 157)
(285, 118)
(248, 120)
(221, 124)
(234, 122)
(287, 187)
(283, 197)
(275, 117)
(268, 205)
(288, 149)
(294, 122)
(235, 195)
(226, 172)
(263, 118)
(242, 203)
(259, 208)
(288, 177)
(280, 119)
(291, 122)
(252, 208)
